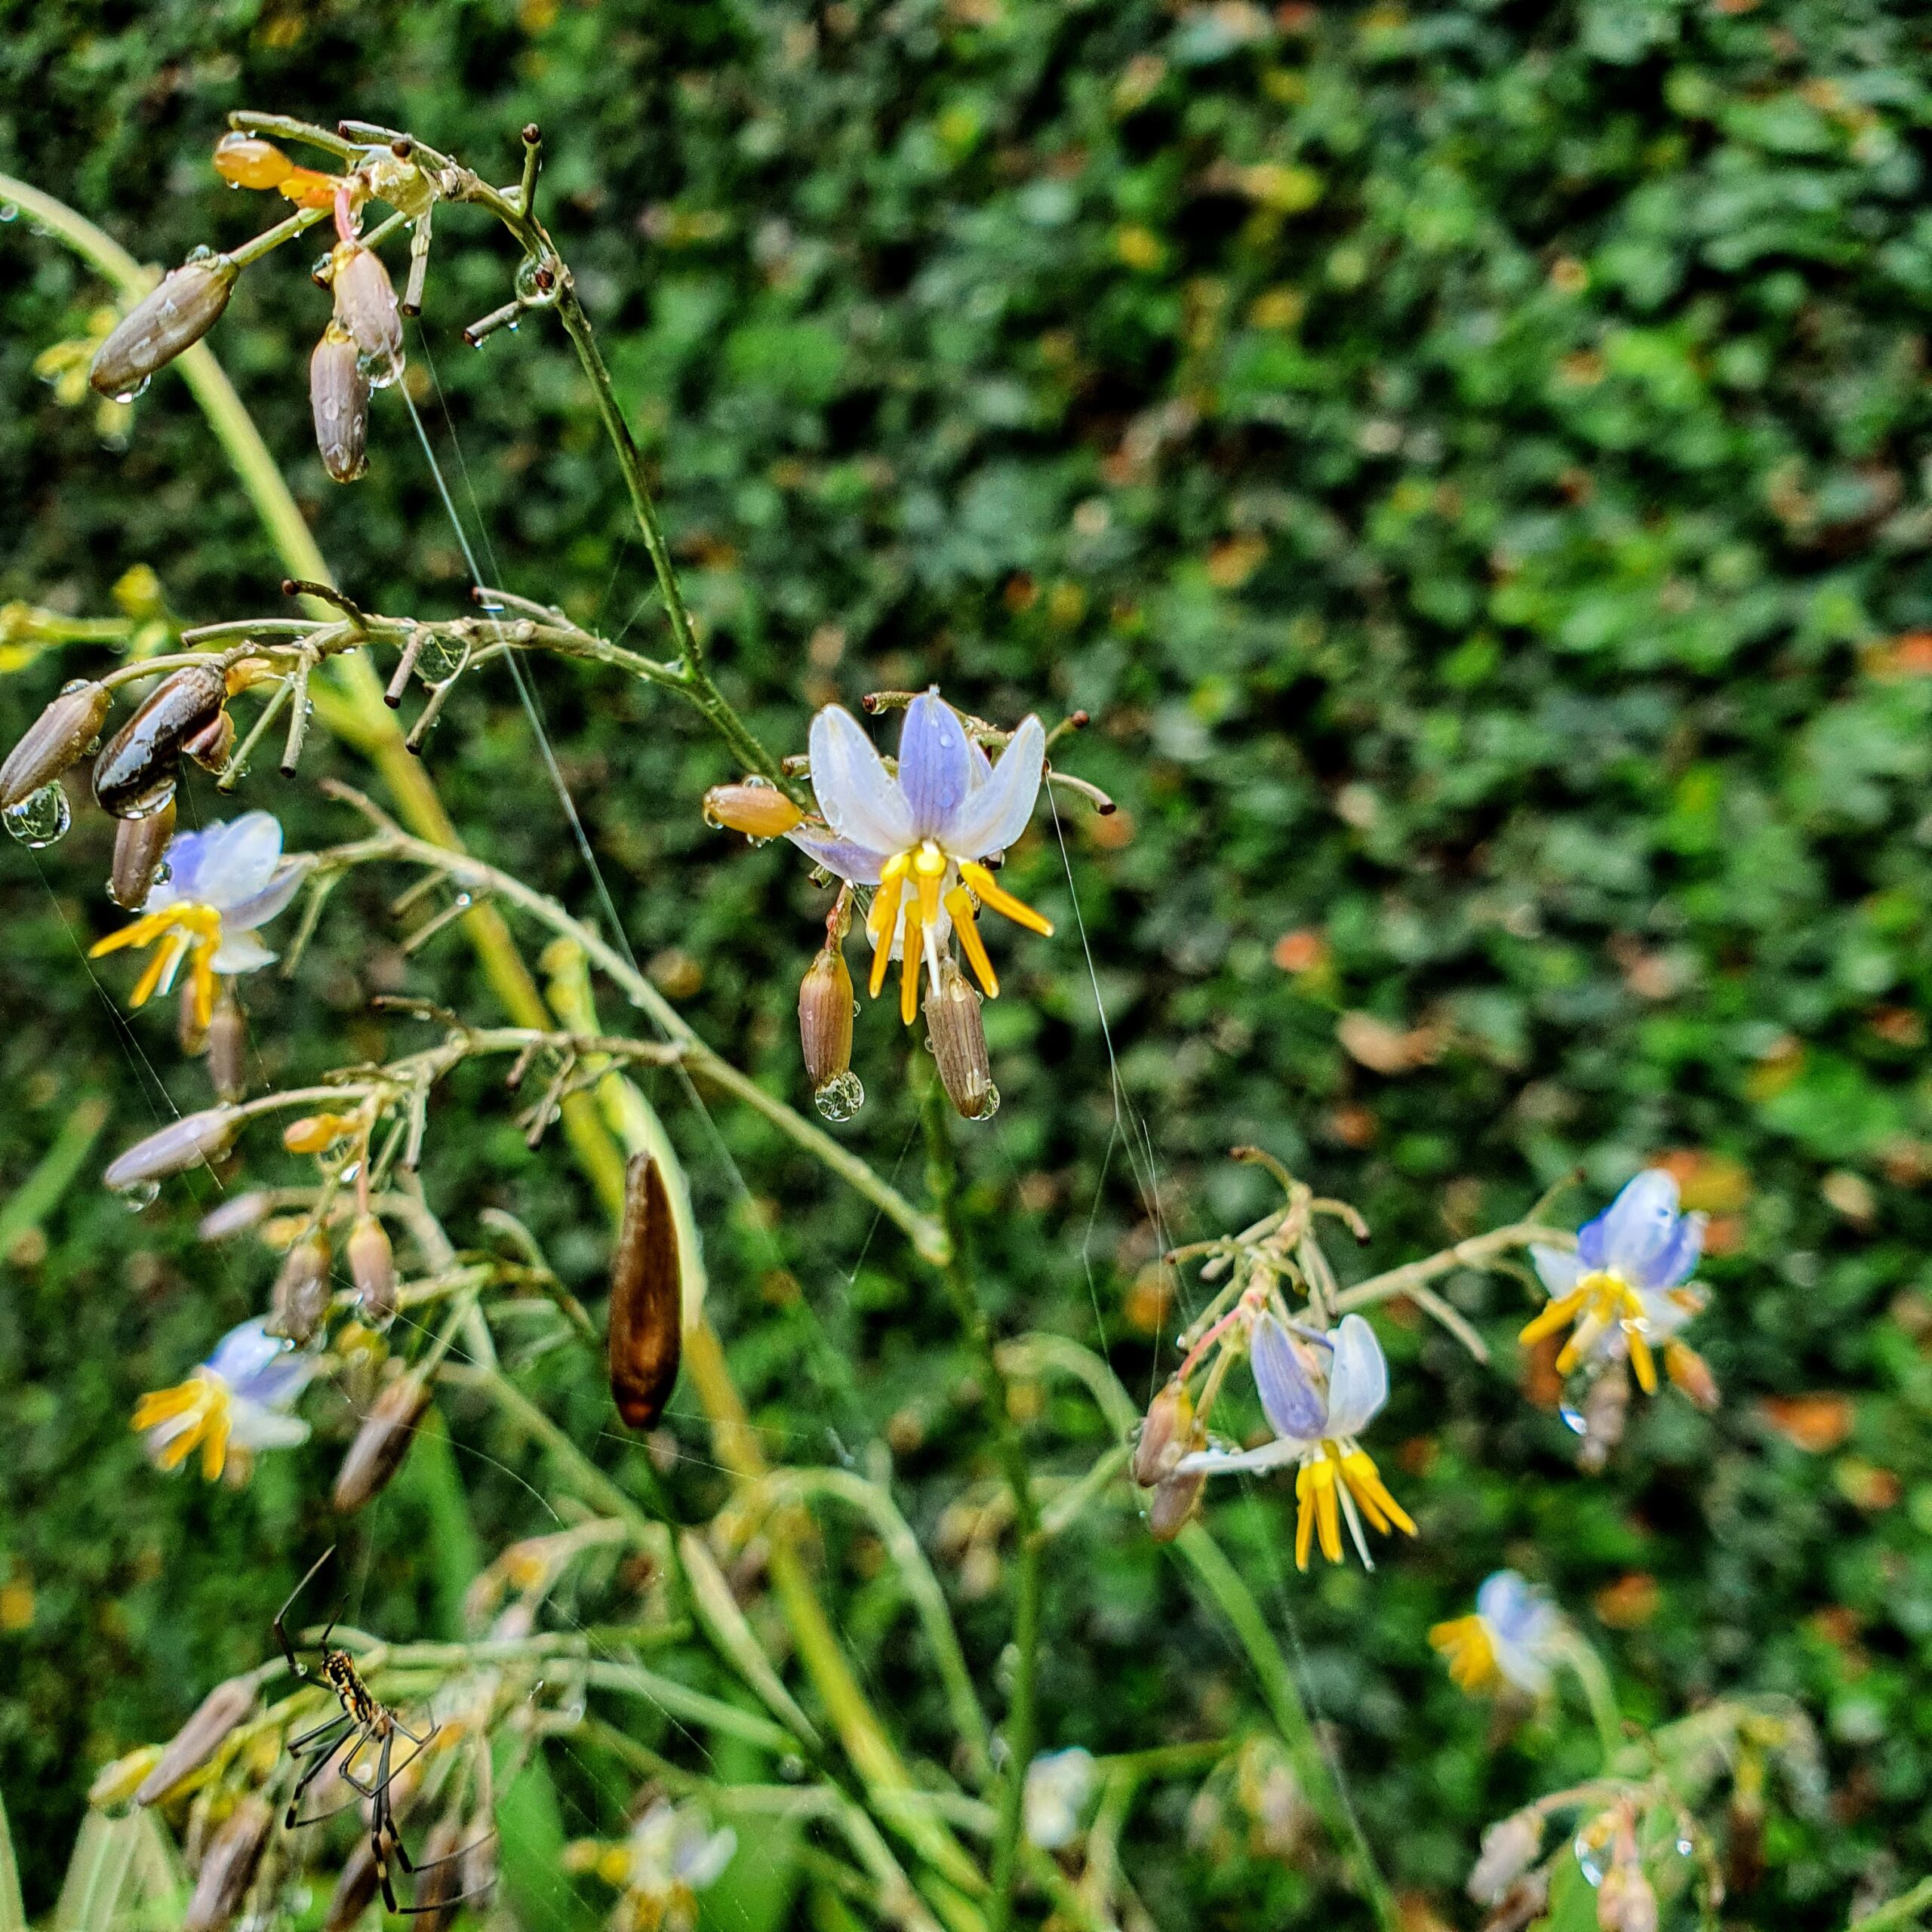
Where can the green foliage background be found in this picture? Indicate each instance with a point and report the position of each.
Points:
(1472, 462)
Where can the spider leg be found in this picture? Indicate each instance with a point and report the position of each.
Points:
(349, 1778)
(441, 1904)
(281, 1633)
(299, 1747)
(420, 1742)
(381, 1814)
(322, 1760)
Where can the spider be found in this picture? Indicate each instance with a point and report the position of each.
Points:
(364, 1724)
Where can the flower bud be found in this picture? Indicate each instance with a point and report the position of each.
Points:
(959, 1045)
(365, 304)
(140, 846)
(1171, 1507)
(54, 741)
(210, 746)
(228, 1867)
(180, 1145)
(1606, 1405)
(1509, 1848)
(300, 1304)
(339, 401)
(227, 1049)
(757, 810)
(189, 1033)
(1165, 1435)
(239, 1214)
(198, 1740)
(247, 161)
(115, 1785)
(440, 1879)
(173, 317)
(381, 1442)
(646, 1319)
(479, 1862)
(355, 1890)
(372, 1268)
(134, 775)
(824, 1017)
(314, 1133)
(1625, 1901)
(1689, 1371)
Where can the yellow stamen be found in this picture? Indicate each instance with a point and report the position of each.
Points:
(1641, 1360)
(1469, 1650)
(959, 903)
(908, 966)
(203, 1404)
(992, 894)
(928, 873)
(1555, 1316)
(883, 920)
(1365, 1485)
(186, 928)
(1315, 1490)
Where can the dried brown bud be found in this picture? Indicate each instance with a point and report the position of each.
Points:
(228, 1867)
(381, 1442)
(301, 1303)
(135, 774)
(54, 741)
(140, 846)
(339, 401)
(439, 1882)
(1172, 1506)
(824, 1017)
(1509, 1848)
(198, 1740)
(1689, 1371)
(227, 1049)
(647, 1298)
(1165, 1435)
(365, 304)
(758, 810)
(959, 1045)
(355, 1890)
(172, 317)
(210, 746)
(372, 1268)
(180, 1145)
(239, 1214)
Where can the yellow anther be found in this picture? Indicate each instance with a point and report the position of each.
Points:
(992, 894)
(1469, 1650)
(908, 966)
(929, 865)
(883, 920)
(959, 903)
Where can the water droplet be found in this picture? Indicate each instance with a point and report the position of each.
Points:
(40, 818)
(840, 1097)
(1684, 1847)
(200, 252)
(754, 843)
(438, 659)
(133, 395)
(1591, 1859)
(143, 1194)
(324, 269)
(150, 802)
(8, 212)
(988, 1104)
(533, 283)
(1573, 1419)
(73, 685)
(492, 606)
(378, 372)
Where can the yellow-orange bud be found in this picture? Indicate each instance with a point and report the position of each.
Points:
(757, 810)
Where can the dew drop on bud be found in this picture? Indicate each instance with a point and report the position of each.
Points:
(841, 1096)
(140, 1194)
(437, 659)
(40, 818)
(987, 1105)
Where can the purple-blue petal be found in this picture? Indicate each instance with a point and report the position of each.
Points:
(935, 763)
(1288, 1398)
(844, 858)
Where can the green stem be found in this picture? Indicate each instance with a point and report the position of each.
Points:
(1581, 1656)
(1223, 1583)
(1903, 1910)
(942, 1183)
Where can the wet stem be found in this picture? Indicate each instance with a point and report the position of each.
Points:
(942, 1183)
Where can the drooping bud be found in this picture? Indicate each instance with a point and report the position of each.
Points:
(1625, 1901)
(365, 304)
(440, 1879)
(1689, 1371)
(210, 746)
(180, 1145)
(1165, 1435)
(300, 1304)
(372, 1268)
(959, 1045)
(355, 1890)
(228, 1867)
(140, 846)
(247, 161)
(116, 1784)
(198, 1739)
(135, 774)
(228, 1048)
(1509, 1848)
(647, 1302)
(1172, 1506)
(758, 810)
(239, 1214)
(1606, 1406)
(824, 1017)
(173, 317)
(189, 1033)
(314, 1133)
(381, 1442)
(339, 401)
(55, 740)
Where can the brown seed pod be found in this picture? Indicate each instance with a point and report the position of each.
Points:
(355, 1890)
(54, 741)
(300, 1304)
(1165, 1435)
(198, 1740)
(365, 304)
(135, 774)
(140, 845)
(381, 1442)
(173, 317)
(180, 1145)
(433, 1908)
(339, 401)
(824, 1017)
(647, 1298)
(228, 1867)
(227, 1049)
(372, 1268)
(210, 746)
(959, 1039)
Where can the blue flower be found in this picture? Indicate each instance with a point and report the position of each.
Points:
(236, 1402)
(1515, 1635)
